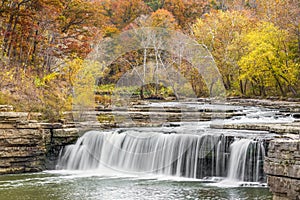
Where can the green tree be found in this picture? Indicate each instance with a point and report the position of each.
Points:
(155, 4)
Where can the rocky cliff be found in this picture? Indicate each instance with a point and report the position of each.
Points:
(30, 146)
(282, 166)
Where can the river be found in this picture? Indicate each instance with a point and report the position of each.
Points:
(182, 160)
(62, 185)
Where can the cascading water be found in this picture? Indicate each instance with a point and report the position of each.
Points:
(192, 156)
(246, 160)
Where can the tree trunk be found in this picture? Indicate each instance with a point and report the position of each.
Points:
(241, 87)
(142, 92)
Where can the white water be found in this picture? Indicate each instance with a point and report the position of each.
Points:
(130, 151)
(152, 152)
(237, 162)
(246, 157)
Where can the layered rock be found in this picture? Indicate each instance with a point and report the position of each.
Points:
(283, 129)
(21, 150)
(288, 105)
(60, 136)
(282, 166)
(27, 145)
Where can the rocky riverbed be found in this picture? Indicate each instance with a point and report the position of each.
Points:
(32, 146)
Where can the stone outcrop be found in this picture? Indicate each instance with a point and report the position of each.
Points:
(287, 105)
(30, 146)
(282, 129)
(146, 115)
(21, 150)
(6, 108)
(282, 166)
(60, 136)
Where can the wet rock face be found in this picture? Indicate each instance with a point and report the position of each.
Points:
(60, 136)
(30, 146)
(282, 166)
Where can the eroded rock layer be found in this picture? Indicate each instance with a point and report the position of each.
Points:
(282, 166)
(30, 146)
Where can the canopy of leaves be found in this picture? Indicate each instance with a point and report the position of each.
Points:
(43, 44)
(221, 33)
(267, 63)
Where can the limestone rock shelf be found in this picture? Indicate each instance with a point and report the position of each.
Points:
(282, 166)
(30, 146)
(286, 129)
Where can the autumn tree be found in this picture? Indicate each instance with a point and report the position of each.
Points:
(221, 33)
(121, 13)
(284, 14)
(35, 31)
(162, 19)
(186, 12)
(36, 37)
(268, 63)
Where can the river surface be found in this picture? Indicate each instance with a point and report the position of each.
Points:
(62, 185)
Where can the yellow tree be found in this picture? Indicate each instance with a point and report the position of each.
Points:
(268, 63)
(284, 14)
(221, 33)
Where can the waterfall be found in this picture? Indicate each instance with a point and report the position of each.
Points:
(221, 157)
(246, 160)
(186, 155)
